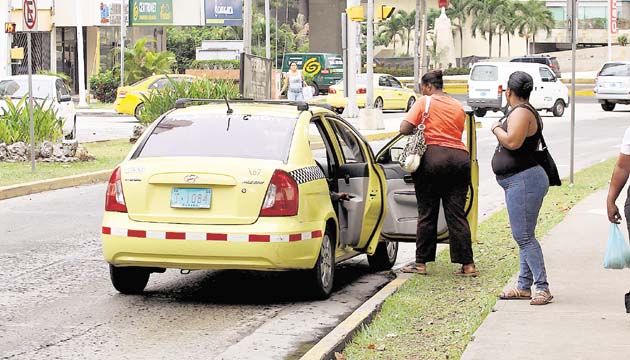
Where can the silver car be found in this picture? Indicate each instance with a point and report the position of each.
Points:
(612, 85)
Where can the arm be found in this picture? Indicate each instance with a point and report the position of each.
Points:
(617, 182)
(408, 124)
(406, 128)
(517, 129)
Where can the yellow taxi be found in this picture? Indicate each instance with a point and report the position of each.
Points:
(129, 99)
(252, 186)
(389, 94)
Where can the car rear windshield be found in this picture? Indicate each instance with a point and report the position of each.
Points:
(221, 135)
(615, 69)
(485, 73)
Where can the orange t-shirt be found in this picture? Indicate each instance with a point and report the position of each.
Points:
(445, 124)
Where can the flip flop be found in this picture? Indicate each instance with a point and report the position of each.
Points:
(415, 269)
(514, 294)
(542, 297)
(463, 273)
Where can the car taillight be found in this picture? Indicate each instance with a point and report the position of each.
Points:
(361, 90)
(467, 89)
(122, 94)
(114, 197)
(551, 66)
(500, 90)
(282, 196)
(324, 71)
(332, 90)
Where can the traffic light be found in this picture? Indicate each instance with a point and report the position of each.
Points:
(355, 13)
(384, 12)
(9, 27)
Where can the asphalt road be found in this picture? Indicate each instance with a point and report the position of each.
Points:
(57, 301)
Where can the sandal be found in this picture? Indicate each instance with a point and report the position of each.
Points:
(516, 294)
(417, 268)
(542, 297)
(464, 273)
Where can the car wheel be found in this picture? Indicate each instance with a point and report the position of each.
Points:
(139, 108)
(315, 89)
(410, 102)
(378, 103)
(608, 106)
(480, 112)
(558, 108)
(384, 257)
(129, 280)
(323, 274)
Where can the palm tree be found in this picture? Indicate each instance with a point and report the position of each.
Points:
(392, 29)
(484, 19)
(505, 22)
(141, 61)
(458, 10)
(532, 17)
(408, 21)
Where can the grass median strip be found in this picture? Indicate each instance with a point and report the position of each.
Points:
(435, 316)
(108, 154)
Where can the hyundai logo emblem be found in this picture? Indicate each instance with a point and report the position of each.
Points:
(191, 178)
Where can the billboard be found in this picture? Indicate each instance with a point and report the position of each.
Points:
(151, 12)
(223, 12)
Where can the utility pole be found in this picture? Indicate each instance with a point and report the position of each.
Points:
(423, 39)
(572, 5)
(247, 26)
(351, 110)
(81, 53)
(267, 31)
(123, 29)
(369, 94)
(416, 50)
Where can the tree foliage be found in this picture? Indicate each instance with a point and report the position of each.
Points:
(141, 61)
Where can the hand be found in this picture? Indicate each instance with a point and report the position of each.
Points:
(494, 125)
(613, 213)
(344, 196)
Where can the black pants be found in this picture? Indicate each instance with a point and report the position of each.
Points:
(444, 174)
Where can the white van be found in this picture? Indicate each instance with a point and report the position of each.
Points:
(488, 81)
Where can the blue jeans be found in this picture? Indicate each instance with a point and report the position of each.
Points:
(524, 193)
(295, 95)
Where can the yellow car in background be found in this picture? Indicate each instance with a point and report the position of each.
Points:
(129, 98)
(251, 186)
(389, 94)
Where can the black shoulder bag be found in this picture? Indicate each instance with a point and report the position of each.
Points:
(542, 155)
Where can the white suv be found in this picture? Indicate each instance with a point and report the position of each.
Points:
(612, 85)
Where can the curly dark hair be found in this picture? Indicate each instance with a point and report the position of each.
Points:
(434, 78)
(521, 83)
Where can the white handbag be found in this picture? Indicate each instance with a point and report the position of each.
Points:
(416, 145)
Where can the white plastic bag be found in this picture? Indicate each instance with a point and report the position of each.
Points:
(307, 93)
(617, 250)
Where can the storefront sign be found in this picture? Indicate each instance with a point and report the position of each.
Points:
(151, 12)
(613, 16)
(223, 12)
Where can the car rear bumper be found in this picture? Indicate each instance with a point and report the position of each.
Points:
(269, 244)
(614, 98)
(484, 103)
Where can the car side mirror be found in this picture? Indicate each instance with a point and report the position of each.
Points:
(394, 153)
(65, 98)
(545, 79)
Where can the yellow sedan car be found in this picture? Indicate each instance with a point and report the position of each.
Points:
(389, 94)
(129, 99)
(254, 186)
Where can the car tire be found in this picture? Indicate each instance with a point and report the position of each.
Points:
(480, 112)
(129, 280)
(378, 103)
(323, 274)
(136, 112)
(384, 257)
(608, 106)
(410, 102)
(316, 89)
(558, 108)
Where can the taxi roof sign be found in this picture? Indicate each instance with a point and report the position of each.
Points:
(9, 27)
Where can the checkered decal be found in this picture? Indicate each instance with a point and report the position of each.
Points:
(307, 174)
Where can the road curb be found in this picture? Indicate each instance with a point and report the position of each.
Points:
(7, 192)
(340, 335)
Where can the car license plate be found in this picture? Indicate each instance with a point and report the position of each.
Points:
(191, 198)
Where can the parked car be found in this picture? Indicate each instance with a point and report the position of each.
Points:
(550, 61)
(48, 90)
(389, 94)
(326, 68)
(190, 196)
(487, 84)
(129, 98)
(612, 85)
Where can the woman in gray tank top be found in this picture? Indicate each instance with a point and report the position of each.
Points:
(293, 83)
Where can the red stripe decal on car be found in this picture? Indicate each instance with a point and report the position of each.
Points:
(295, 237)
(216, 237)
(137, 233)
(175, 235)
(259, 238)
(316, 234)
(107, 230)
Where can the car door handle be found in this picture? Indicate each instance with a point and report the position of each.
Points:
(346, 179)
(408, 179)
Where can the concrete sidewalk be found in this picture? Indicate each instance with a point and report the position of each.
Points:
(587, 319)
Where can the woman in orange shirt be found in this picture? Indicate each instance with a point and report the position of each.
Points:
(443, 174)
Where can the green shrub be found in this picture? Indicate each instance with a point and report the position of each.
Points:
(103, 85)
(215, 64)
(457, 71)
(160, 101)
(15, 122)
(622, 39)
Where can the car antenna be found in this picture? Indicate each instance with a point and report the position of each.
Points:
(229, 110)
